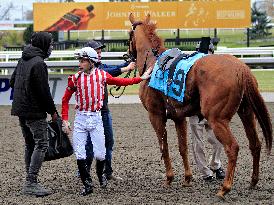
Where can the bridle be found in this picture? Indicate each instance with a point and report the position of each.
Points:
(132, 52)
(131, 48)
(130, 57)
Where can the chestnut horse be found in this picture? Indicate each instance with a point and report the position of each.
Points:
(217, 87)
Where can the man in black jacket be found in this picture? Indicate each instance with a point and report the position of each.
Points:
(32, 101)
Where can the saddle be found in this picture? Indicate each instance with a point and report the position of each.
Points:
(169, 61)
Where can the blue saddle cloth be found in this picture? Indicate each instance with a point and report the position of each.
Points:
(176, 87)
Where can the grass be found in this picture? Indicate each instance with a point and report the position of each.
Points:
(265, 79)
(228, 37)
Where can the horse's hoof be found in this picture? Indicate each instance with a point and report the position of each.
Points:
(252, 186)
(166, 185)
(220, 195)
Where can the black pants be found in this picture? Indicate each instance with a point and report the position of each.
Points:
(36, 144)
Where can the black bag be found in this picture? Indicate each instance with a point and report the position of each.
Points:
(59, 143)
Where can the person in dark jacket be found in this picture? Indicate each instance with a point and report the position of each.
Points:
(115, 71)
(32, 101)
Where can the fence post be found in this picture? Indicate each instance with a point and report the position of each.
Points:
(215, 32)
(177, 41)
(247, 37)
(103, 38)
(68, 35)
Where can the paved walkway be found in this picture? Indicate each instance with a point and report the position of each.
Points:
(129, 99)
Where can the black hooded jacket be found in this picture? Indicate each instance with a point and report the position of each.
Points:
(32, 98)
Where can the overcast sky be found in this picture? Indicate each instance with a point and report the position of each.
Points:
(21, 6)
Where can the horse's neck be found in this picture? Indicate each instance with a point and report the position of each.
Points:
(146, 58)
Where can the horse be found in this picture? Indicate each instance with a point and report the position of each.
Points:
(217, 87)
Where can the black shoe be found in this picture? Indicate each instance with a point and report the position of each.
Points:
(88, 188)
(208, 178)
(220, 173)
(103, 181)
(114, 178)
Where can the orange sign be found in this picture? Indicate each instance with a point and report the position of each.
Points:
(168, 15)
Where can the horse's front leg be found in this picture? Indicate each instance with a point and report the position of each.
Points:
(181, 129)
(159, 124)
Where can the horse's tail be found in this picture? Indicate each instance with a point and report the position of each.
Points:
(259, 108)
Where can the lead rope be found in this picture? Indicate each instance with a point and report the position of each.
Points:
(117, 88)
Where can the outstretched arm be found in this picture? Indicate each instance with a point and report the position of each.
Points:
(65, 100)
(128, 81)
(122, 81)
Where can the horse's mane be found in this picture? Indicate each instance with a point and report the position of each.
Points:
(150, 33)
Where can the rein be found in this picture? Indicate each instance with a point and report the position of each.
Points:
(117, 88)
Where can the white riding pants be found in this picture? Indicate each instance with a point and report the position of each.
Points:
(89, 123)
(197, 134)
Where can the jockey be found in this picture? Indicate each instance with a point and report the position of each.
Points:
(114, 70)
(88, 85)
(198, 128)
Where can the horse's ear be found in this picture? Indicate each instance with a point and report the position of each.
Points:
(147, 20)
(131, 18)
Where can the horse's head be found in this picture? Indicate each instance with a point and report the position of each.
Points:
(144, 44)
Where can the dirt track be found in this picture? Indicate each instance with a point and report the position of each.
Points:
(137, 160)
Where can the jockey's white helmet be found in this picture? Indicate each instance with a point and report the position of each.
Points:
(86, 53)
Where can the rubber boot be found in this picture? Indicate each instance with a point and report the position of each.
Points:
(85, 177)
(99, 171)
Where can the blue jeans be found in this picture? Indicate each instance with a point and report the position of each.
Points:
(109, 141)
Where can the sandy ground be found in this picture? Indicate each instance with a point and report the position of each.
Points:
(137, 160)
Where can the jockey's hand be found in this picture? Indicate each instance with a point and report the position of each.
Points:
(147, 74)
(129, 67)
(66, 127)
(54, 117)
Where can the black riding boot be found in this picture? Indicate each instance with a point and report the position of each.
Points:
(85, 177)
(99, 171)
(88, 164)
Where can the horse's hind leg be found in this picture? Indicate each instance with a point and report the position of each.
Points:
(248, 119)
(224, 135)
(159, 124)
(181, 129)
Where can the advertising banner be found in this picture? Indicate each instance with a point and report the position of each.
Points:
(167, 15)
(215, 14)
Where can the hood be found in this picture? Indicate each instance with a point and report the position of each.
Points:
(41, 40)
(31, 51)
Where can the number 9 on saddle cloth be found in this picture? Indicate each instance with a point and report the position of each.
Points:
(171, 68)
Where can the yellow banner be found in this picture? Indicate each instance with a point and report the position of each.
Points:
(167, 15)
(215, 14)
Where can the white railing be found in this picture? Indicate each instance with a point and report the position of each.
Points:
(241, 52)
(15, 55)
(65, 59)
